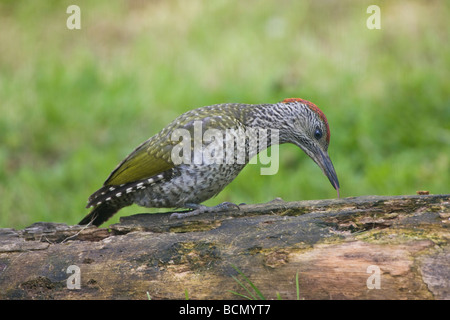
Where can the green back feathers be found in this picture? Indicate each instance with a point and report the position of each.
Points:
(153, 157)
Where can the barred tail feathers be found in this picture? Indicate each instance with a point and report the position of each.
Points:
(101, 213)
(106, 202)
(110, 199)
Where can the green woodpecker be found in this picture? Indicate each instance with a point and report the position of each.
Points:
(200, 152)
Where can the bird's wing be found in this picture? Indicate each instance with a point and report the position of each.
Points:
(149, 159)
(139, 165)
(154, 155)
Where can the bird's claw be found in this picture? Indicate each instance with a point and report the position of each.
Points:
(198, 209)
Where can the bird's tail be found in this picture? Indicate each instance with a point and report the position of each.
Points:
(106, 202)
(101, 213)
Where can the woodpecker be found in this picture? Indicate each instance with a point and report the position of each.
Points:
(153, 176)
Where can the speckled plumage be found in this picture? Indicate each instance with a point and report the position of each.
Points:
(150, 178)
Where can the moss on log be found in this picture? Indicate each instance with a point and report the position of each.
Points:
(372, 247)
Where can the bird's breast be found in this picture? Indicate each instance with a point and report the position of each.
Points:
(189, 183)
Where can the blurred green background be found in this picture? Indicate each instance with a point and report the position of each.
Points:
(74, 103)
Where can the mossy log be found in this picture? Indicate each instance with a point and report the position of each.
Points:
(372, 247)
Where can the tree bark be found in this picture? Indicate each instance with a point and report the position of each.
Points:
(373, 247)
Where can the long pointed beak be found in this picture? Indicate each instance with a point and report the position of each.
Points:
(324, 162)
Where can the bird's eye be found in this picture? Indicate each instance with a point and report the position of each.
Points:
(318, 133)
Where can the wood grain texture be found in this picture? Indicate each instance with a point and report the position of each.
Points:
(330, 243)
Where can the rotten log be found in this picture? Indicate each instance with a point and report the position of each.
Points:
(373, 247)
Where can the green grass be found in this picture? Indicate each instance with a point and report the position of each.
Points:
(252, 292)
(75, 103)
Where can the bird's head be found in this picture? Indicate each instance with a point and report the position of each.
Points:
(307, 127)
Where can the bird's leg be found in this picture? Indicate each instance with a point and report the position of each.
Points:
(199, 208)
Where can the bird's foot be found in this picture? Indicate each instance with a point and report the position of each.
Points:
(199, 208)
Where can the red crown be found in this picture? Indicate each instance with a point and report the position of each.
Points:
(314, 108)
